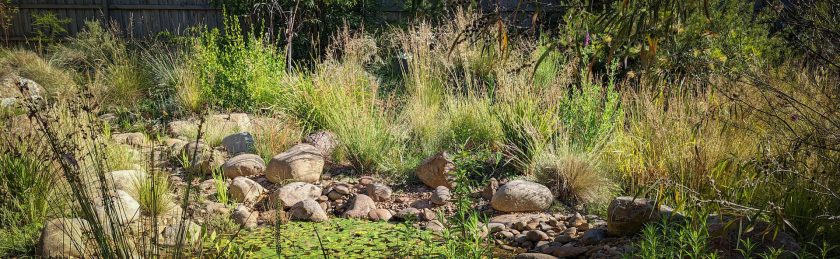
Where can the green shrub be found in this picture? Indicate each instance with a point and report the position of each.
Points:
(238, 71)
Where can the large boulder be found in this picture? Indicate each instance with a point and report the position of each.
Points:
(63, 238)
(292, 193)
(243, 165)
(310, 210)
(522, 196)
(361, 206)
(302, 162)
(435, 170)
(627, 215)
(245, 190)
(324, 141)
(238, 143)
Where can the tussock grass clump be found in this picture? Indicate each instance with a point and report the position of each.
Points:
(273, 136)
(577, 179)
(154, 195)
(56, 81)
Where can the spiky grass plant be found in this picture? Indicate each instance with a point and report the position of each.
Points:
(154, 195)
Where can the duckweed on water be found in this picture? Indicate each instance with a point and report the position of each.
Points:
(341, 238)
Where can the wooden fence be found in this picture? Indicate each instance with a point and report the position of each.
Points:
(144, 18)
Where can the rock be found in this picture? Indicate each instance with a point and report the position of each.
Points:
(324, 141)
(434, 226)
(379, 215)
(434, 171)
(191, 235)
(520, 225)
(490, 189)
(536, 235)
(238, 122)
(342, 189)
(136, 139)
(593, 236)
(626, 215)
(292, 193)
(365, 180)
(577, 221)
(726, 233)
(63, 238)
(408, 213)
(441, 195)
(302, 162)
(245, 190)
(243, 165)
(522, 196)
(572, 231)
(534, 256)
(379, 192)
(495, 227)
(238, 143)
(245, 217)
(569, 251)
(505, 234)
(182, 128)
(202, 159)
(127, 180)
(308, 210)
(427, 214)
(563, 238)
(361, 206)
(334, 195)
(127, 209)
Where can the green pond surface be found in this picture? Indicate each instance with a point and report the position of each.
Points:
(341, 238)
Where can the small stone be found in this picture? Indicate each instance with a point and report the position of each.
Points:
(534, 256)
(441, 195)
(310, 210)
(342, 189)
(322, 198)
(563, 238)
(401, 199)
(577, 220)
(536, 235)
(379, 192)
(490, 189)
(505, 234)
(408, 213)
(427, 214)
(380, 215)
(496, 227)
(334, 196)
(245, 217)
(569, 251)
(434, 226)
(520, 225)
(593, 236)
(365, 180)
(572, 231)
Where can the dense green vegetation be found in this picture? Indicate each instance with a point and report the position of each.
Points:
(709, 107)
